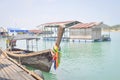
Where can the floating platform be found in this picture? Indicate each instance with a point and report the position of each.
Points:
(25, 37)
(77, 39)
(55, 38)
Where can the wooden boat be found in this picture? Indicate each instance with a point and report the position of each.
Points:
(41, 59)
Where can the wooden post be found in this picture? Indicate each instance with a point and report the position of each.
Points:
(19, 60)
(109, 32)
(32, 45)
(59, 35)
(37, 43)
(85, 34)
(27, 44)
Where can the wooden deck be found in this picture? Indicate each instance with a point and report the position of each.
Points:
(9, 70)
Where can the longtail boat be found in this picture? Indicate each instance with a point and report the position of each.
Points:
(40, 60)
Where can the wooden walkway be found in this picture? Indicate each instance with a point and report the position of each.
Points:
(25, 37)
(9, 70)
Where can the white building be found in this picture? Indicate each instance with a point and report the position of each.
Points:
(75, 30)
(50, 30)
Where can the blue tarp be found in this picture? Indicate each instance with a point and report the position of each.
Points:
(17, 30)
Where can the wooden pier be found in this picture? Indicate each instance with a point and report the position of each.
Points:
(11, 70)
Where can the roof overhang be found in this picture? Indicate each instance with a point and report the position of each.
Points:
(89, 25)
(64, 24)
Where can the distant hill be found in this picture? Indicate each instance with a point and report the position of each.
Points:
(115, 27)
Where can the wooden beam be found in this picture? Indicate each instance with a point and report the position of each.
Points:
(59, 35)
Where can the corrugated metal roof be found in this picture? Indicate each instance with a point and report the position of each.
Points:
(85, 25)
(35, 31)
(57, 23)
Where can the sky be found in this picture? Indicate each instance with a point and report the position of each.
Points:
(31, 13)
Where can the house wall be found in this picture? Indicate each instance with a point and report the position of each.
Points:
(66, 33)
(52, 31)
(54, 28)
(89, 33)
(96, 33)
(80, 33)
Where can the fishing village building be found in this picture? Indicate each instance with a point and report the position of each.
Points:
(50, 30)
(35, 31)
(89, 31)
(16, 31)
(77, 31)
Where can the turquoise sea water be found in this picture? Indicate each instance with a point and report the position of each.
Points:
(84, 61)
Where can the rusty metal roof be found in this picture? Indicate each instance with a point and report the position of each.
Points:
(56, 24)
(85, 25)
(35, 31)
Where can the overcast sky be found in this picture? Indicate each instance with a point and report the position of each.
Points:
(30, 13)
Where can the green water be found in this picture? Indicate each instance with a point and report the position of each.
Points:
(89, 61)
(85, 61)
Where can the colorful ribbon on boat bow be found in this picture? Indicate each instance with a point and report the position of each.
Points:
(56, 56)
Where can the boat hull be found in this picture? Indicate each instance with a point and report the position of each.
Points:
(39, 60)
